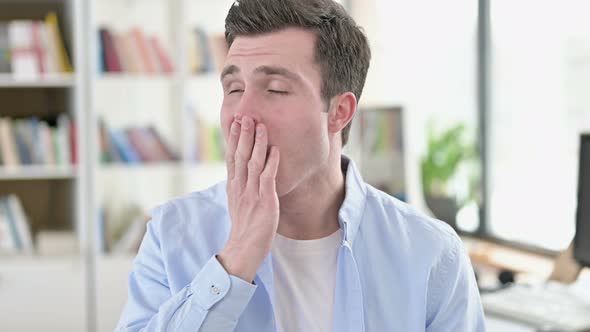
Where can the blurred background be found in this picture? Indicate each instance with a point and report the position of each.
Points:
(472, 112)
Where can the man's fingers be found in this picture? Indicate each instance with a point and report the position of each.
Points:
(244, 150)
(269, 174)
(232, 144)
(258, 158)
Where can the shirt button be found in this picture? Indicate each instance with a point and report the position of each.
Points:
(215, 290)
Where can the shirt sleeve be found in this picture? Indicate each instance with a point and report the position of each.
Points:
(213, 301)
(454, 303)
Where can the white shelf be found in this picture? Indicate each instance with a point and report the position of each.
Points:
(140, 166)
(199, 167)
(207, 76)
(206, 165)
(38, 172)
(135, 77)
(54, 81)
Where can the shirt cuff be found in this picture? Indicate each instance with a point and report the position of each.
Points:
(213, 286)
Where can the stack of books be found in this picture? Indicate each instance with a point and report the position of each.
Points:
(206, 53)
(205, 140)
(32, 141)
(134, 145)
(33, 49)
(121, 233)
(15, 233)
(132, 52)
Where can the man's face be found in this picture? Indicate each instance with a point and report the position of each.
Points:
(274, 79)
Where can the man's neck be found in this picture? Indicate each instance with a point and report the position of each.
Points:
(310, 211)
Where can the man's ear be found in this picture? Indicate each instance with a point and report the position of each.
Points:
(342, 110)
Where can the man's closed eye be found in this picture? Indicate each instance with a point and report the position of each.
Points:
(279, 92)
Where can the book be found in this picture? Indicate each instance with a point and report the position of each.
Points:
(145, 55)
(218, 47)
(16, 225)
(134, 145)
(109, 56)
(7, 242)
(163, 145)
(63, 140)
(121, 229)
(21, 223)
(132, 52)
(22, 144)
(131, 239)
(23, 60)
(200, 58)
(73, 142)
(205, 140)
(107, 151)
(124, 147)
(206, 53)
(163, 57)
(147, 151)
(51, 63)
(38, 46)
(32, 141)
(11, 220)
(31, 49)
(122, 52)
(52, 23)
(204, 59)
(47, 150)
(8, 147)
(5, 66)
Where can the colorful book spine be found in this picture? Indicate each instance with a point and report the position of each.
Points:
(62, 55)
(132, 52)
(134, 145)
(124, 147)
(110, 56)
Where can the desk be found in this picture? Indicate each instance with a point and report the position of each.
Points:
(497, 324)
(488, 259)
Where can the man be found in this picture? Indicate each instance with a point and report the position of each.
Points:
(295, 240)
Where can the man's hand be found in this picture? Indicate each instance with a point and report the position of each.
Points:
(252, 198)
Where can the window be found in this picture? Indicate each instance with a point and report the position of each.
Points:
(539, 104)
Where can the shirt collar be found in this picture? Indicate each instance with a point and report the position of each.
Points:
(353, 206)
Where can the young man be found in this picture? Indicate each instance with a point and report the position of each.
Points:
(295, 240)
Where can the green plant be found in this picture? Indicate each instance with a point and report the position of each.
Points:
(444, 155)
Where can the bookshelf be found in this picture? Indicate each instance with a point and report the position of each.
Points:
(175, 101)
(68, 204)
(38, 173)
(38, 86)
(58, 81)
(40, 112)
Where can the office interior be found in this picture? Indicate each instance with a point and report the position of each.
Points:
(474, 112)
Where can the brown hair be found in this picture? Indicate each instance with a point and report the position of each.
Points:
(342, 49)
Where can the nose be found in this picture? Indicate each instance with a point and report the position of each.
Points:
(248, 106)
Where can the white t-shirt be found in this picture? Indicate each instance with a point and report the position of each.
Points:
(304, 282)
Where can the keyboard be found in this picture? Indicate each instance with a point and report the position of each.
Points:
(549, 306)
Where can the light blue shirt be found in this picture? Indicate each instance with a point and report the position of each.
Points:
(397, 270)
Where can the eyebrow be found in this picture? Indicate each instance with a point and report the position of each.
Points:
(270, 70)
(232, 69)
(266, 70)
